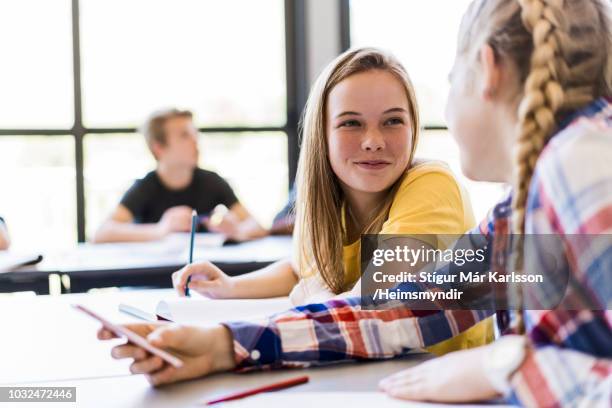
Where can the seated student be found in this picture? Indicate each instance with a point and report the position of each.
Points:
(163, 200)
(4, 236)
(376, 186)
(562, 185)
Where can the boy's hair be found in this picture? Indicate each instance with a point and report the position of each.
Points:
(562, 50)
(320, 200)
(154, 128)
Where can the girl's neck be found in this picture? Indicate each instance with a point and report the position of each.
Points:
(360, 207)
(174, 177)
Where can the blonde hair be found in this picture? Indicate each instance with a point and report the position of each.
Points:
(562, 51)
(154, 130)
(320, 199)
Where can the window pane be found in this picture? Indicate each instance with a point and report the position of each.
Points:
(38, 191)
(223, 59)
(36, 49)
(255, 165)
(423, 38)
(439, 145)
(112, 163)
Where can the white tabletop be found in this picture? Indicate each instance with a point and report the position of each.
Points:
(45, 342)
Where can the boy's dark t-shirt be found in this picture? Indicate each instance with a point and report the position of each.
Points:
(148, 198)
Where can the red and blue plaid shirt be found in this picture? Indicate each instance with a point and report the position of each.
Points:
(569, 358)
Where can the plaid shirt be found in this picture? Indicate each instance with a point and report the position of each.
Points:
(569, 358)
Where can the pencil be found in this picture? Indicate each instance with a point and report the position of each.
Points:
(272, 387)
(194, 224)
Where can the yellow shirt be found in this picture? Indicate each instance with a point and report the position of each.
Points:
(429, 201)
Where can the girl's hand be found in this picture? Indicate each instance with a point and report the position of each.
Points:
(206, 279)
(455, 377)
(202, 350)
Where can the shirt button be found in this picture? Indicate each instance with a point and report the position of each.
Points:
(255, 354)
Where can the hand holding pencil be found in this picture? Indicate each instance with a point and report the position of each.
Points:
(194, 226)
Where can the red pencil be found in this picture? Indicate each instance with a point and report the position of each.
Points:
(272, 387)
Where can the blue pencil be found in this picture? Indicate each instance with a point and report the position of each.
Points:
(194, 225)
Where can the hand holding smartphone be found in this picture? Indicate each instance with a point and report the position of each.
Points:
(132, 337)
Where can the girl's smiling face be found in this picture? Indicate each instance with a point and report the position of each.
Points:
(369, 132)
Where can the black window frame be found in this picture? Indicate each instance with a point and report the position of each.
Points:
(345, 41)
(296, 87)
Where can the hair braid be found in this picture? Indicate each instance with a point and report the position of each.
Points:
(543, 97)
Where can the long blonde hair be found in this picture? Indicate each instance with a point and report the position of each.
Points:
(562, 50)
(319, 202)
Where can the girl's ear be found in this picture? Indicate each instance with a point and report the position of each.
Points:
(491, 72)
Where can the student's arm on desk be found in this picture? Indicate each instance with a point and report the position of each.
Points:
(274, 280)
(238, 224)
(338, 330)
(120, 226)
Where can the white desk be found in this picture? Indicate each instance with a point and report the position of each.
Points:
(46, 342)
(143, 264)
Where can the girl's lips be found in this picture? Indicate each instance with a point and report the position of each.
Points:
(372, 164)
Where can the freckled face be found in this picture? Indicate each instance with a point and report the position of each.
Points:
(369, 131)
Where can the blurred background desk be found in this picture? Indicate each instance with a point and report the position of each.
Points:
(151, 264)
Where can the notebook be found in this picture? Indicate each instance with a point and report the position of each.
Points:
(198, 310)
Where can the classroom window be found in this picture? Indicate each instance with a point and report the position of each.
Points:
(36, 81)
(424, 40)
(102, 67)
(140, 55)
(39, 204)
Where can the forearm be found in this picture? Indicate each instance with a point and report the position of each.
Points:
(114, 231)
(275, 280)
(341, 330)
(250, 229)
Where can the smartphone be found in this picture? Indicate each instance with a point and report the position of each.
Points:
(132, 337)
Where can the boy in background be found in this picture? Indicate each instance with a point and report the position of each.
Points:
(162, 201)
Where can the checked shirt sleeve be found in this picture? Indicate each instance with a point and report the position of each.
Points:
(341, 330)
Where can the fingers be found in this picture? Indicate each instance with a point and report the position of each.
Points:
(202, 271)
(177, 278)
(413, 392)
(170, 336)
(147, 366)
(206, 288)
(138, 328)
(164, 376)
(407, 384)
(128, 351)
(104, 334)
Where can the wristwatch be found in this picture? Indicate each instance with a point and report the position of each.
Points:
(504, 357)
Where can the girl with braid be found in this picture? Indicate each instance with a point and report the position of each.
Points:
(530, 104)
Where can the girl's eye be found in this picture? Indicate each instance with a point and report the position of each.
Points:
(394, 121)
(349, 123)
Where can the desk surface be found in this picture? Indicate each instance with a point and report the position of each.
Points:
(45, 342)
(49, 343)
(145, 264)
